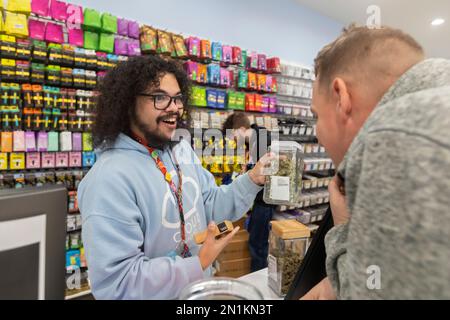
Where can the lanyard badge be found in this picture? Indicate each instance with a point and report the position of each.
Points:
(182, 248)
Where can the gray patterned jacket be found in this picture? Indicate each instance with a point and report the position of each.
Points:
(397, 179)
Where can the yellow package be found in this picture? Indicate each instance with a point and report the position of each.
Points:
(17, 161)
(22, 6)
(2, 25)
(3, 161)
(16, 24)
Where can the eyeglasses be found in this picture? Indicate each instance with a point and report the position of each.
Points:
(163, 101)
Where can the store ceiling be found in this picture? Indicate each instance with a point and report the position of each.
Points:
(412, 16)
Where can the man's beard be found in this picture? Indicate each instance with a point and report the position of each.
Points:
(155, 140)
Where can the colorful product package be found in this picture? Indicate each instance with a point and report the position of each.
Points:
(33, 160)
(224, 77)
(165, 45)
(240, 101)
(261, 82)
(58, 10)
(106, 42)
(3, 161)
(211, 97)
(252, 61)
(249, 102)
(193, 47)
(54, 33)
(198, 97)
(202, 73)
(258, 102)
(36, 29)
(53, 144)
(273, 105)
(109, 23)
(23, 49)
(65, 141)
(191, 70)
(17, 161)
(214, 74)
(122, 27)
(62, 160)
(274, 65)
(121, 46)
(16, 24)
(237, 55)
(30, 141)
(231, 99)
(216, 49)
(227, 54)
(19, 141)
(179, 46)
(262, 62)
(6, 141)
(75, 159)
(274, 85)
(133, 29)
(92, 19)
(77, 141)
(148, 39)
(221, 99)
(87, 141)
(48, 160)
(268, 83)
(265, 104)
(88, 159)
(76, 36)
(252, 84)
(40, 7)
(91, 40)
(242, 79)
(205, 49)
(75, 17)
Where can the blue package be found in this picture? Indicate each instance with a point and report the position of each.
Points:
(214, 74)
(221, 99)
(88, 159)
(211, 98)
(216, 49)
(73, 258)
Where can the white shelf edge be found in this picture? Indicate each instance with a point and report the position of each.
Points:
(78, 295)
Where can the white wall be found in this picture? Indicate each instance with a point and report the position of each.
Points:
(276, 27)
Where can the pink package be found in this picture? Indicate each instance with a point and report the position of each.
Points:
(54, 33)
(62, 159)
(122, 26)
(192, 70)
(262, 62)
(76, 37)
(227, 54)
(224, 77)
(36, 29)
(19, 141)
(75, 16)
(40, 7)
(42, 141)
(30, 141)
(134, 47)
(75, 159)
(273, 105)
(58, 10)
(265, 104)
(33, 160)
(193, 46)
(48, 160)
(133, 29)
(121, 46)
(268, 83)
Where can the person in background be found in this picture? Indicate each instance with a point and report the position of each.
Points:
(257, 140)
(384, 118)
(147, 195)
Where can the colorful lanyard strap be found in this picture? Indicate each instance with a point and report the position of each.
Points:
(177, 192)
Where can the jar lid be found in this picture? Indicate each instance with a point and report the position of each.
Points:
(290, 229)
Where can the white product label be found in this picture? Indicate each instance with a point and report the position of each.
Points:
(279, 188)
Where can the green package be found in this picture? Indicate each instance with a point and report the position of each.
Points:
(92, 20)
(198, 96)
(231, 95)
(106, 43)
(53, 138)
(109, 23)
(87, 141)
(244, 59)
(242, 79)
(90, 40)
(240, 101)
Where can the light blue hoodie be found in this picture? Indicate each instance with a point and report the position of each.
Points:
(131, 222)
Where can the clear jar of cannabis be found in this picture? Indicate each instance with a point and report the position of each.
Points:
(284, 181)
(288, 242)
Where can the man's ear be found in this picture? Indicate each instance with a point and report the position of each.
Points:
(342, 97)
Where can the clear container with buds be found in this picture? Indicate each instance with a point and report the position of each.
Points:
(288, 242)
(284, 181)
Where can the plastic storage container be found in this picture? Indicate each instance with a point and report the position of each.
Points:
(284, 181)
(288, 242)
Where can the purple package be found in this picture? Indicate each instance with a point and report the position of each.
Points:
(42, 141)
(62, 160)
(133, 29)
(227, 54)
(192, 70)
(121, 46)
(48, 160)
(262, 62)
(193, 46)
(75, 159)
(122, 26)
(134, 48)
(30, 141)
(273, 105)
(76, 141)
(268, 83)
(265, 104)
(224, 77)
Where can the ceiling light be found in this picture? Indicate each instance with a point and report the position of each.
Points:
(438, 22)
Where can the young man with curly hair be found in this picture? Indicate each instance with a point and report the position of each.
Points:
(147, 194)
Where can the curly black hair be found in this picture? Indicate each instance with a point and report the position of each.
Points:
(116, 102)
